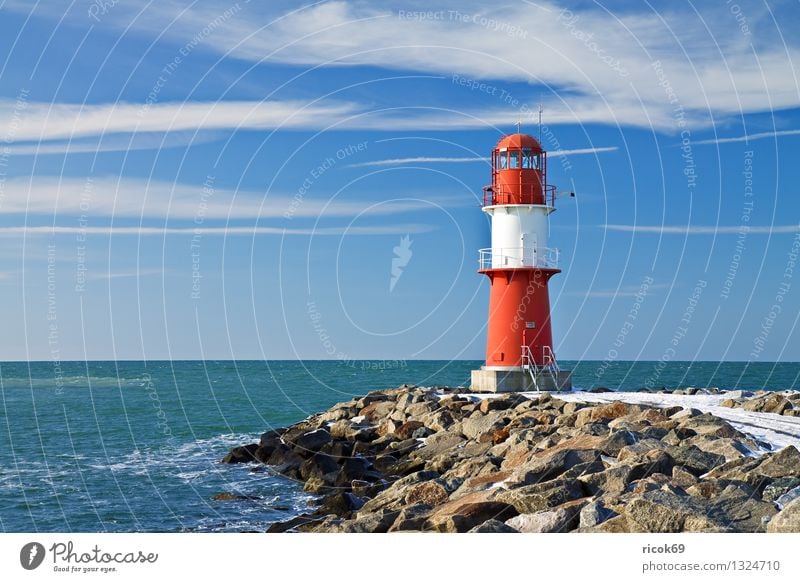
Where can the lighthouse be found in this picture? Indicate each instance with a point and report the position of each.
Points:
(519, 265)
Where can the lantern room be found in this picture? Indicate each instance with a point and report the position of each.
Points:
(519, 173)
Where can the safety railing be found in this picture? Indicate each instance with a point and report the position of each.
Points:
(519, 257)
(494, 195)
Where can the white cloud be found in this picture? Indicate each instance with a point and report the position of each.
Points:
(435, 160)
(113, 143)
(378, 230)
(751, 137)
(595, 65)
(43, 121)
(693, 229)
(128, 197)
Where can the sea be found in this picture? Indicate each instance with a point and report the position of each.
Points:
(136, 446)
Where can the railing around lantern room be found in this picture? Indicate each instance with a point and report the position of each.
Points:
(494, 195)
(519, 258)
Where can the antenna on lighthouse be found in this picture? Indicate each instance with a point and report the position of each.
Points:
(540, 121)
(519, 125)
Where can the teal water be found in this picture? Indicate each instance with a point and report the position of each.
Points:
(135, 446)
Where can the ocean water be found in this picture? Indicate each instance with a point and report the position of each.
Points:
(135, 446)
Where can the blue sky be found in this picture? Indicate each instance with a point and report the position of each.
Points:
(219, 180)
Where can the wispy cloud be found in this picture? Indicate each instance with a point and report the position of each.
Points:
(134, 273)
(624, 291)
(378, 230)
(113, 143)
(128, 197)
(43, 121)
(751, 137)
(712, 68)
(471, 159)
(695, 229)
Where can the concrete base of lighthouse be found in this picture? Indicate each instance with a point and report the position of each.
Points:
(518, 380)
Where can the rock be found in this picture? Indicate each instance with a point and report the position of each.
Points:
(438, 444)
(784, 463)
(466, 516)
(779, 487)
(707, 424)
(788, 497)
(562, 519)
(411, 518)
(500, 403)
(492, 526)
(479, 423)
(406, 430)
(685, 413)
(377, 410)
(341, 504)
(683, 477)
(775, 403)
(738, 394)
(370, 523)
(244, 454)
(742, 513)
(430, 493)
(319, 465)
(618, 524)
(594, 514)
(787, 520)
(312, 441)
(355, 469)
(729, 403)
(535, 498)
(612, 481)
(640, 448)
(295, 523)
(662, 512)
(695, 460)
(551, 466)
(730, 449)
(606, 412)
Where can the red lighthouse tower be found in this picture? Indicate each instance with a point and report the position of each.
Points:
(519, 264)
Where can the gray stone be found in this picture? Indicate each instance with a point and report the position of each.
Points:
(560, 520)
(780, 487)
(479, 423)
(312, 441)
(492, 526)
(535, 498)
(595, 513)
(787, 520)
(614, 480)
(695, 460)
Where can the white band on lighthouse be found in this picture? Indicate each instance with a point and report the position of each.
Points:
(519, 237)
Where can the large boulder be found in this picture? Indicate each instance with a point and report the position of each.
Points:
(470, 515)
(312, 441)
(492, 526)
(787, 520)
(559, 520)
(535, 498)
(663, 512)
(244, 454)
(614, 480)
(595, 513)
(479, 423)
(549, 467)
(696, 460)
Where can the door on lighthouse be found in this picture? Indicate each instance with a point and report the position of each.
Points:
(529, 258)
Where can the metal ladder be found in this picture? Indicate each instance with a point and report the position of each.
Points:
(529, 365)
(549, 359)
